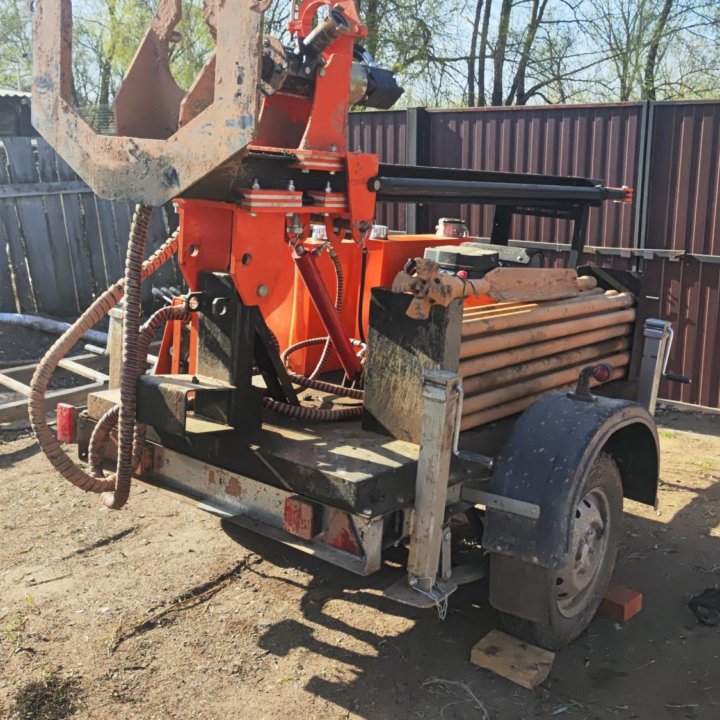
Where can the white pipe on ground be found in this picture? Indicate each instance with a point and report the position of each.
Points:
(46, 325)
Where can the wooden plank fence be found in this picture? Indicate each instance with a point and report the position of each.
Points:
(60, 245)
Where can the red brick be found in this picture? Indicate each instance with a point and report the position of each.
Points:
(620, 603)
(66, 423)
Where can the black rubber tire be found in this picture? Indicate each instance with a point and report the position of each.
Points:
(556, 630)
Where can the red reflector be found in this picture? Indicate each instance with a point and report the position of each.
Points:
(602, 372)
(299, 518)
(341, 533)
(65, 423)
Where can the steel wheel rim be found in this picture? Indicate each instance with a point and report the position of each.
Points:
(589, 542)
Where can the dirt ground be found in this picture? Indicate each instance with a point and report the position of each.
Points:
(162, 612)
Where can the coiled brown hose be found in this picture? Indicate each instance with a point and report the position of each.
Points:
(312, 414)
(49, 444)
(131, 352)
(106, 424)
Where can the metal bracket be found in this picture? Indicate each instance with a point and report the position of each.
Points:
(483, 460)
(163, 403)
(445, 554)
(656, 351)
(500, 502)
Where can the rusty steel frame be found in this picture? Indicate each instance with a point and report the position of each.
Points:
(157, 159)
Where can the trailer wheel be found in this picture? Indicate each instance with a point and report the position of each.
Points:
(570, 596)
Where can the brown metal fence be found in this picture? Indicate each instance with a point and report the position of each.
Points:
(670, 154)
(680, 240)
(60, 245)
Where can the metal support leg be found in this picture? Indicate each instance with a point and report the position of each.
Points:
(439, 400)
(430, 578)
(657, 335)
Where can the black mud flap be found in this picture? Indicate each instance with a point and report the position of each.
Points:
(545, 460)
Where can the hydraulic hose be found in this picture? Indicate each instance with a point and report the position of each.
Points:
(131, 351)
(339, 295)
(312, 414)
(106, 424)
(49, 444)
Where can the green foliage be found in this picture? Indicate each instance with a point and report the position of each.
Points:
(15, 45)
(106, 34)
(524, 51)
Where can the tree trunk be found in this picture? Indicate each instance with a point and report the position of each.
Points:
(517, 90)
(370, 13)
(649, 90)
(481, 95)
(499, 55)
(472, 60)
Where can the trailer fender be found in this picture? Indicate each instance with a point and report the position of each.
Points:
(544, 462)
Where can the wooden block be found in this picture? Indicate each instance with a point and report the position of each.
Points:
(513, 659)
(620, 603)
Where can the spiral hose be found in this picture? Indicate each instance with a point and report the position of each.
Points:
(49, 444)
(106, 424)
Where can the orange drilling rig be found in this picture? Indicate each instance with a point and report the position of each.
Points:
(327, 382)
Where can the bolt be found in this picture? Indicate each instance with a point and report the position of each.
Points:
(291, 186)
(256, 184)
(306, 70)
(367, 511)
(328, 187)
(333, 148)
(321, 72)
(262, 290)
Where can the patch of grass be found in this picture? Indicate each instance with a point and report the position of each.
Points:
(52, 698)
(13, 630)
(667, 434)
(705, 465)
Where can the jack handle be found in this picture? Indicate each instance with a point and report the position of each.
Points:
(671, 376)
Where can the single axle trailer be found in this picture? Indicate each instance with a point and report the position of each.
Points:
(326, 382)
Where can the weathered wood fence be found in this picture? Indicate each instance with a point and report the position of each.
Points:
(60, 245)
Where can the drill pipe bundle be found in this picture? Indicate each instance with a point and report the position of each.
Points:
(513, 352)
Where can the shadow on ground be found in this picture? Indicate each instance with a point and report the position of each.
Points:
(662, 664)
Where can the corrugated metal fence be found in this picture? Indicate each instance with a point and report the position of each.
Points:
(60, 245)
(670, 154)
